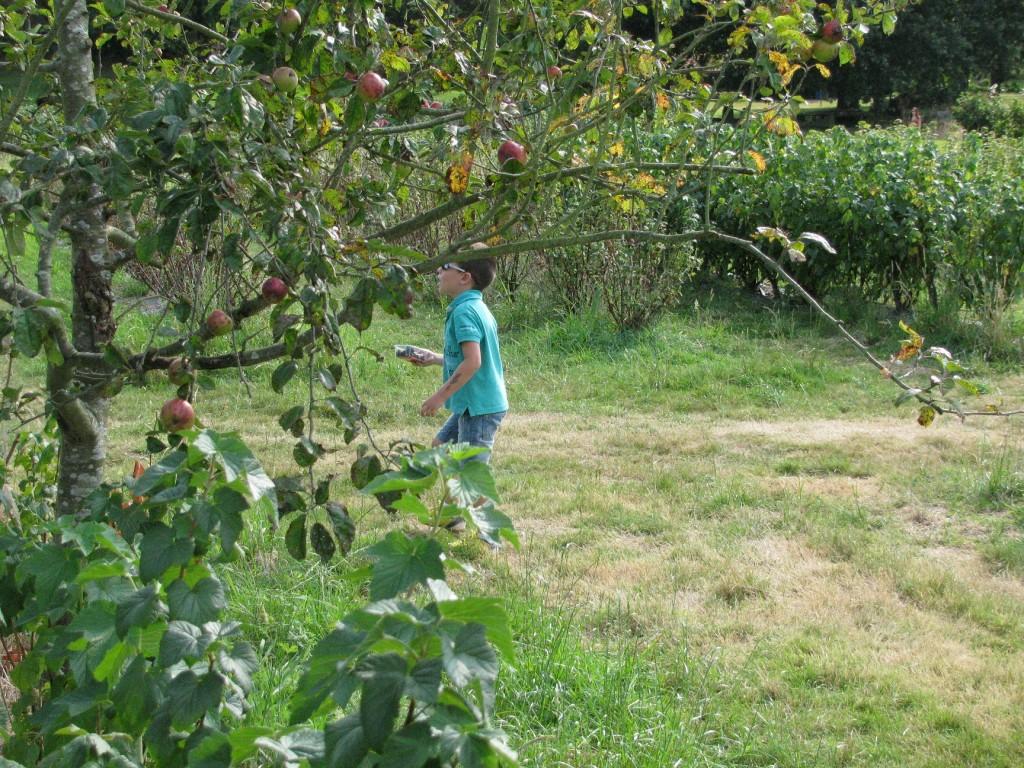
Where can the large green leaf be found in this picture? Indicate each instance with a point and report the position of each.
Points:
(201, 603)
(344, 743)
(29, 331)
(401, 562)
(344, 527)
(383, 677)
(424, 680)
(410, 478)
(182, 641)
(161, 550)
(241, 468)
(322, 542)
(493, 524)
(326, 673)
(168, 466)
(139, 609)
(135, 695)
(487, 611)
(474, 480)
(409, 747)
(469, 656)
(189, 697)
(240, 664)
(295, 538)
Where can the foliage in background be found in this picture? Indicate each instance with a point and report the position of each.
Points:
(982, 110)
(910, 217)
(937, 47)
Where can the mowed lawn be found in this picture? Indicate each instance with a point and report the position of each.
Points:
(736, 551)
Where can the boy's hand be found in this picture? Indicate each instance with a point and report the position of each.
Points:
(431, 405)
(434, 359)
(431, 358)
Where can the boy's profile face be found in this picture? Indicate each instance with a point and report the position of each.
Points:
(453, 280)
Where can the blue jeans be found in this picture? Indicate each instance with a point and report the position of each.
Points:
(475, 430)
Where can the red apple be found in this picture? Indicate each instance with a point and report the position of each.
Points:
(370, 86)
(381, 122)
(219, 323)
(178, 372)
(176, 415)
(427, 104)
(288, 21)
(285, 79)
(163, 9)
(832, 31)
(510, 150)
(274, 289)
(824, 51)
(554, 72)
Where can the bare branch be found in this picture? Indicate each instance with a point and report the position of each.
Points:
(13, 149)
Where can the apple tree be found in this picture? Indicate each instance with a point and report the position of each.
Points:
(280, 149)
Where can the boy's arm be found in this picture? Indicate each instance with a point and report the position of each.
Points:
(467, 368)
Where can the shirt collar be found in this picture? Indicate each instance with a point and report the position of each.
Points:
(469, 295)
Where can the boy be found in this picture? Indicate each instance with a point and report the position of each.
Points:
(473, 376)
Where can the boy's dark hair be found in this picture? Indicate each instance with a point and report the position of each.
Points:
(481, 270)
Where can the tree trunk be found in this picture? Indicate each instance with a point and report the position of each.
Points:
(82, 408)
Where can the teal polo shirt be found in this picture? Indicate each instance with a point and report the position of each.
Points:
(469, 319)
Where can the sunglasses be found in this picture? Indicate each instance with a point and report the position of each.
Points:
(452, 265)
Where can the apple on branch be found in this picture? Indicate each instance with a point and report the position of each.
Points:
(288, 21)
(177, 414)
(274, 289)
(511, 150)
(370, 86)
(832, 31)
(219, 323)
(285, 79)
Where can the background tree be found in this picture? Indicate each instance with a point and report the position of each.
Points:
(937, 48)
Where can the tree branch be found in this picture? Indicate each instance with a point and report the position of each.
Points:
(182, 20)
(24, 298)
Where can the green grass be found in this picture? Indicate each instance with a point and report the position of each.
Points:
(736, 551)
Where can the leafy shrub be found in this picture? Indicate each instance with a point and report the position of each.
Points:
(984, 111)
(903, 211)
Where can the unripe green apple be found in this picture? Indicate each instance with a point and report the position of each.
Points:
(824, 51)
(288, 21)
(285, 79)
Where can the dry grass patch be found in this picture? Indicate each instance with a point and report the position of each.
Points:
(717, 578)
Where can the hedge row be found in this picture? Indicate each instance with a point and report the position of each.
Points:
(908, 215)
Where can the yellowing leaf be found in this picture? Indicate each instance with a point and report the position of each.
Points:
(825, 71)
(926, 415)
(781, 125)
(663, 102)
(787, 76)
(758, 159)
(393, 62)
(458, 179)
(616, 149)
(779, 60)
(458, 175)
(737, 38)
